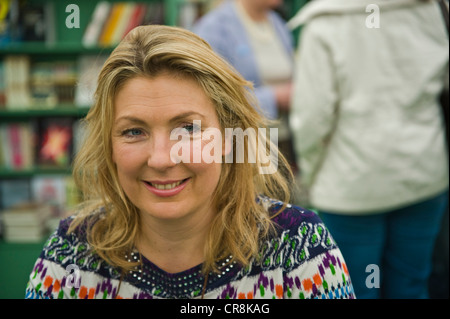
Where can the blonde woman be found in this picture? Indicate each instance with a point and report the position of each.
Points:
(159, 220)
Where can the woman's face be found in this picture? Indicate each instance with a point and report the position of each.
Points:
(147, 111)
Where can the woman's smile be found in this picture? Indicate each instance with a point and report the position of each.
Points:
(166, 188)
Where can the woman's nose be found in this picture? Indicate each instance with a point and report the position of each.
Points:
(159, 155)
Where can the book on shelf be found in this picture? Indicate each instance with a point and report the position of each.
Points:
(64, 78)
(26, 21)
(53, 83)
(94, 28)
(26, 222)
(56, 190)
(2, 85)
(14, 192)
(122, 24)
(16, 70)
(154, 13)
(6, 22)
(43, 90)
(17, 146)
(106, 36)
(43, 143)
(137, 17)
(38, 206)
(44, 85)
(49, 189)
(111, 21)
(54, 147)
(33, 23)
(27, 84)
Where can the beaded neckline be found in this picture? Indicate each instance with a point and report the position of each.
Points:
(185, 284)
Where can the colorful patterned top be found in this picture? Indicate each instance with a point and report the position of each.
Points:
(302, 261)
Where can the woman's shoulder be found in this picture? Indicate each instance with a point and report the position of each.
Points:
(67, 246)
(291, 217)
(298, 230)
(67, 265)
(302, 253)
(76, 226)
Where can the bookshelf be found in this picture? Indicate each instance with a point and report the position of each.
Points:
(42, 112)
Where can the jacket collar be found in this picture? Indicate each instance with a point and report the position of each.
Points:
(317, 8)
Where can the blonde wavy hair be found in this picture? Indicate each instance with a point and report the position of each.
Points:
(241, 221)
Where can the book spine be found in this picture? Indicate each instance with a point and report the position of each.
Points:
(122, 24)
(137, 18)
(26, 146)
(2, 85)
(17, 71)
(98, 20)
(5, 146)
(15, 144)
(111, 24)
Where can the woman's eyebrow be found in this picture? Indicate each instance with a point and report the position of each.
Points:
(141, 122)
(185, 115)
(131, 119)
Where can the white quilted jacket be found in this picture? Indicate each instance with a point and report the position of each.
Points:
(365, 117)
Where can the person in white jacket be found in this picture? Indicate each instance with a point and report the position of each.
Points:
(367, 123)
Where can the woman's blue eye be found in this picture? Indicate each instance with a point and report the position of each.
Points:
(132, 132)
(192, 128)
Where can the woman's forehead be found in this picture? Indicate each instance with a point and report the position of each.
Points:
(161, 97)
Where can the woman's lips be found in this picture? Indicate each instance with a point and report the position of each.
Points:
(166, 188)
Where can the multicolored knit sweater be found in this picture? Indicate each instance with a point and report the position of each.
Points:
(302, 261)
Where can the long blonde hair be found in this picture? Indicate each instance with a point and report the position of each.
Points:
(241, 221)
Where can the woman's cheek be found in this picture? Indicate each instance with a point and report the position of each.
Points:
(128, 156)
